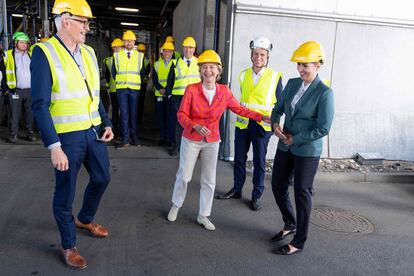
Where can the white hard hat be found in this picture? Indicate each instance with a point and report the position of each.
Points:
(261, 42)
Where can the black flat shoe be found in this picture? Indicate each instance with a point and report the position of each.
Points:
(229, 194)
(285, 250)
(280, 236)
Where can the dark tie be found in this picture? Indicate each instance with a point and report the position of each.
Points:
(188, 62)
(129, 55)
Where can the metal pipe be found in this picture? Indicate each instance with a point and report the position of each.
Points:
(249, 9)
(4, 23)
(165, 6)
(229, 63)
(216, 25)
(45, 18)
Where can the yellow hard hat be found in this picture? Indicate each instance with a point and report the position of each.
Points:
(169, 39)
(117, 42)
(311, 51)
(141, 47)
(75, 7)
(168, 46)
(43, 39)
(189, 42)
(209, 56)
(129, 35)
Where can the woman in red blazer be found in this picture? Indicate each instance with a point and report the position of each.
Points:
(199, 114)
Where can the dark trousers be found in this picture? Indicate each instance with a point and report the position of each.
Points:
(105, 98)
(304, 174)
(3, 111)
(259, 138)
(18, 99)
(161, 108)
(115, 112)
(94, 156)
(128, 107)
(178, 130)
(141, 103)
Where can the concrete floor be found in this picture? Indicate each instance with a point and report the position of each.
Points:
(143, 242)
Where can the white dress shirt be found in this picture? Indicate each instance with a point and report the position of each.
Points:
(299, 95)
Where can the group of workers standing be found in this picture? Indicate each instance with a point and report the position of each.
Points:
(75, 126)
(126, 71)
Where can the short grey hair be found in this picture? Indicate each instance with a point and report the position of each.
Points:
(58, 20)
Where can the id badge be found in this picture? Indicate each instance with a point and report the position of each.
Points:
(159, 99)
(15, 97)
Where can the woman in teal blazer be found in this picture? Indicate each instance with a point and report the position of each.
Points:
(308, 107)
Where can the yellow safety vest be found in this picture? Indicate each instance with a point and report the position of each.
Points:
(11, 69)
(260, 98)
(74, 104)
(162, 72)
(128, 70)
(112, 84)
(185, 75)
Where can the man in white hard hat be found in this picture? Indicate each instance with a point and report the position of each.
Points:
(259, 86)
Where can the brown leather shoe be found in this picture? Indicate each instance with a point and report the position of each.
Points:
(73, 258)
(95, 229)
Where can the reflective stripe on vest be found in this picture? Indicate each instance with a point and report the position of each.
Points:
(72, 106)
(260, 97)
(162, 73)
(112, 84)
(10, 69)
(185, 75)
(128, 70)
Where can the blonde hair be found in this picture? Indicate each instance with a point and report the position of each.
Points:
(219, 68)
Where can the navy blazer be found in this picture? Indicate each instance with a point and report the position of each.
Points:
(311, 120)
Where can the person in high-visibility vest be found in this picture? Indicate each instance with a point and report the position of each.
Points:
(259, 85)
(72, 121)
(3, 86)
(128, 73)
(144, 83)
(17, 61)
(176, 55)
(163, 87)
(185, 71)
(308, 106)
(116, 45)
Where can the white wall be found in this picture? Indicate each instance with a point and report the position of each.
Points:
(372, 79)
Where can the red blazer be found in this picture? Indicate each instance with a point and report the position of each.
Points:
(195, 110)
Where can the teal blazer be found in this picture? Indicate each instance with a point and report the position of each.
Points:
(311, 120)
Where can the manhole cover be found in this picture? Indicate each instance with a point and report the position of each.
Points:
(339, 220)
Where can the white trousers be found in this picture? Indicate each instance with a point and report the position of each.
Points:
(189, 152)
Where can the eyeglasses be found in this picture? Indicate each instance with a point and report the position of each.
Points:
(85, 22)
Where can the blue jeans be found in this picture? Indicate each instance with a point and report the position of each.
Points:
(80, 148)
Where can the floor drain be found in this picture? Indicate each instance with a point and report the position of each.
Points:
(340, 220)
